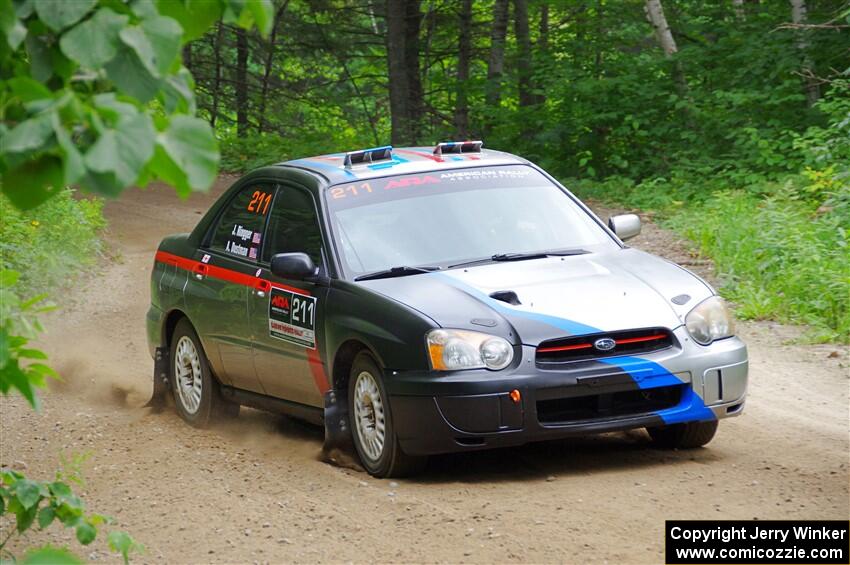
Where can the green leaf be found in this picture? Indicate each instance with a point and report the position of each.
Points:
(24, 517)
(29, 135)
(123, 151)
(73, 161)
(262, 12)
(38, 50)
(46, 516)
(166, 169)
(31, 354)
(50, 556)
(86, 533)
(28, 89)
(13, 377)
(191, 145)
(178, 92)
(135, 38)
(164, 35)
(94, 42)
(35, 181)
(129, 74)
(122, 543)
(28, 492)
(59, 14)
(194, 16)
(4, 359)
(10, 26)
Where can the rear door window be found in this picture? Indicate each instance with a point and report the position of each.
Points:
(241, 227)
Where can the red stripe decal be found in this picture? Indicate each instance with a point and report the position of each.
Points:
(639, 339)
(419, 154)
(563, 348)
(317, 368)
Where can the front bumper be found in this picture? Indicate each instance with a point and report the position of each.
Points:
(468, 410)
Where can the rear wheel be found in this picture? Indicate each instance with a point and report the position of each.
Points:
(196, 392)
(372, 424)
(683, 436)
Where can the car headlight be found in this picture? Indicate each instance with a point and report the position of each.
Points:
(452, 350)
(710, 320)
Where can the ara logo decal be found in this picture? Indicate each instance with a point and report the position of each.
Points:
(604, 344)
(281, 302)
(411, 181)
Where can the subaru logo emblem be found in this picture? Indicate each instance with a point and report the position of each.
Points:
(604, 344)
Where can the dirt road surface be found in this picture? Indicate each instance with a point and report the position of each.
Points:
(255, 490)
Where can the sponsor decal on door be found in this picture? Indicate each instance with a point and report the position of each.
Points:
(292, 317)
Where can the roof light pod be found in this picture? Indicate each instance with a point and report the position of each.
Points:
(368, 156)
(458, 147)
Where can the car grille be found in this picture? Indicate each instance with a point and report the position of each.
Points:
(608, 406)
(628, 342)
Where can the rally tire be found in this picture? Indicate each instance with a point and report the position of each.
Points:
(683, 436)
(365, 381)
(196, 392)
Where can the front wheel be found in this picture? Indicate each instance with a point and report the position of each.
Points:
(372, 424)
(683, 436)
(196, 393)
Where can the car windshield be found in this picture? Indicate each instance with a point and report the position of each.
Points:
(444, 218)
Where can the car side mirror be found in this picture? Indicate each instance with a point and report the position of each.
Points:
(294, 266)
(626, 226)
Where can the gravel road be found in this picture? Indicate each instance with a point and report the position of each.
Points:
(256, 490)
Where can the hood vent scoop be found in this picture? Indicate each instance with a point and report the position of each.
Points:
(508, 296)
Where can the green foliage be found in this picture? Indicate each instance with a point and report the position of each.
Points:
(21, 367)
(779, 258)
(51, 242)
(780, 244)
(100, 97)
(45, 503)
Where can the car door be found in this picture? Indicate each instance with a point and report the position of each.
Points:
(218, 288)
(287, 316)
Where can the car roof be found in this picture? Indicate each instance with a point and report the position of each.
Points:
(405, 160)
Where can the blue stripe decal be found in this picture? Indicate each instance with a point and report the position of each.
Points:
(386, 165)
(646, 374)
(324, 166)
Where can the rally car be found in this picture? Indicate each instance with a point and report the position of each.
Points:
(428, 300)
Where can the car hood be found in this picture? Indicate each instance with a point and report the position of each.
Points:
(558, 296)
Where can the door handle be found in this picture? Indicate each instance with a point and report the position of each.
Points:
(200, 271)
(262, 287)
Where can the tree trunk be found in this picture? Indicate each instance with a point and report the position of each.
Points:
(405, 85)
(496, 64)
(241, 82)
(738, 7)
(810, 85)
(216, 90)
(187, 56)
(655, 14)
(464, 56)
(523, 40)
(269, 63)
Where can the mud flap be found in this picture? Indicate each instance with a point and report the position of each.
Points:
(337, 430)
(160, 378)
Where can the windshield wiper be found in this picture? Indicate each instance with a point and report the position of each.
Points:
(522, 256)
(396, 272)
